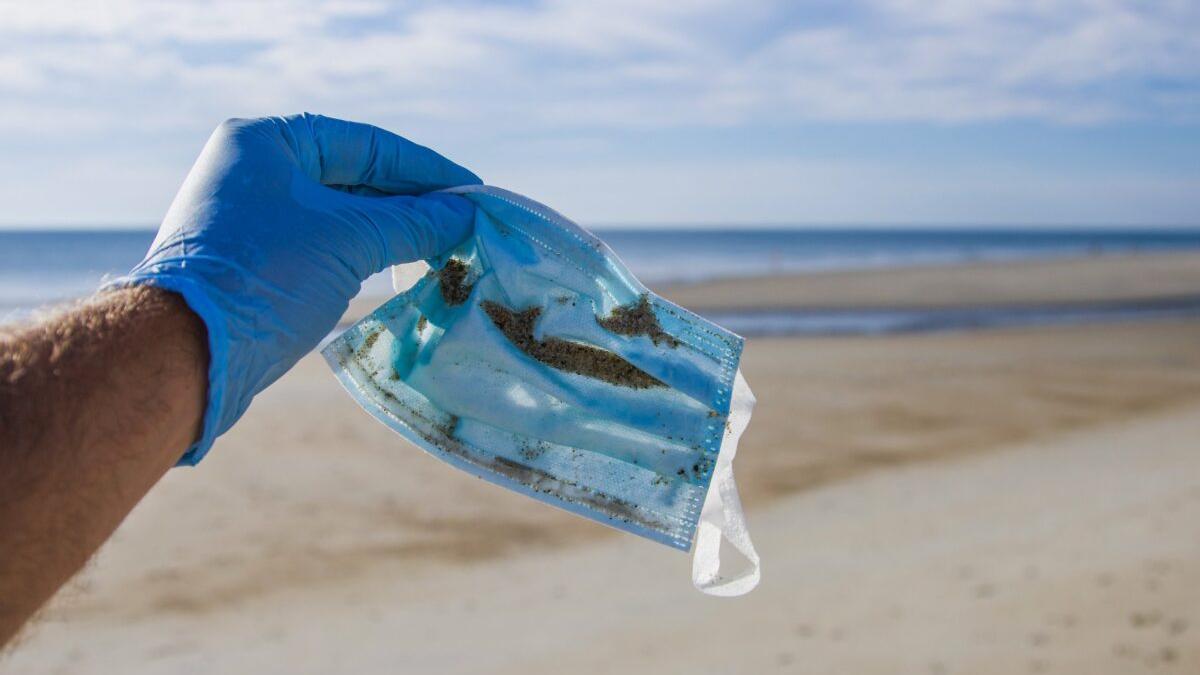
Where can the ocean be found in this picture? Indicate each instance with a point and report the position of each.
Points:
(43, 267)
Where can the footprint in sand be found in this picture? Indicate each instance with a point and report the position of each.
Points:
(1145, 619)
(1168, 655)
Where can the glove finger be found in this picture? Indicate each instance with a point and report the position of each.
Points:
(351, 153)
(411, 228)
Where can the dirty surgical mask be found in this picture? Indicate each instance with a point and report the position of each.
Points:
(530, 357)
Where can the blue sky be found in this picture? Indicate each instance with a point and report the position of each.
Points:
(861, 112)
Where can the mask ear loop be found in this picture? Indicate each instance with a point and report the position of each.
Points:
(722, 515)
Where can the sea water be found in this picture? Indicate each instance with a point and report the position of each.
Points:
(44, 267)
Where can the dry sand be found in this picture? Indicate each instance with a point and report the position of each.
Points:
(1008, 501)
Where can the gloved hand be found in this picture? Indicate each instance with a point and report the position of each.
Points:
(274, 230)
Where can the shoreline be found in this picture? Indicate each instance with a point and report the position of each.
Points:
(1089, 290)
(1098, 278)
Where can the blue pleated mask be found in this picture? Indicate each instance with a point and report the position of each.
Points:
(529, 356)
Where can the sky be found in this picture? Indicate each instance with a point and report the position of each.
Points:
(854, 112)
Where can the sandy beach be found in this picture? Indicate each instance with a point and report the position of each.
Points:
(1005, 501)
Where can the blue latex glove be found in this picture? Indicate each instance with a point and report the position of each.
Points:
(273, 233)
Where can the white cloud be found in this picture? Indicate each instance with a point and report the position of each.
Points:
(584, 64)
(124, 82)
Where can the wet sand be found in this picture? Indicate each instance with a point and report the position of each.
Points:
(1004, 501)
(1071, 280)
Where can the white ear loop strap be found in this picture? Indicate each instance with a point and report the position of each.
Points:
(722, 515)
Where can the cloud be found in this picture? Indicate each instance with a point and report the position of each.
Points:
(575, 65)
(551, 95)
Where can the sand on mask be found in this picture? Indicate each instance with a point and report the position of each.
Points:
(565, 355)
(452, 279)
(637, 432)
(637, 319)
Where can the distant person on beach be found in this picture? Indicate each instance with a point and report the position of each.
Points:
(272, 233)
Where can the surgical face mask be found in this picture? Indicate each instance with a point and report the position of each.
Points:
(530, 357)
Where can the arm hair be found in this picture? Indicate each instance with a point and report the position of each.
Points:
(97, 401)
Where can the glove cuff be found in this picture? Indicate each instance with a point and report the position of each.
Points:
(219, 415)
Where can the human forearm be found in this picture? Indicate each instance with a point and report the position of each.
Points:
(96, 404)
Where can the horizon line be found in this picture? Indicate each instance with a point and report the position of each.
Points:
(711, 226)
